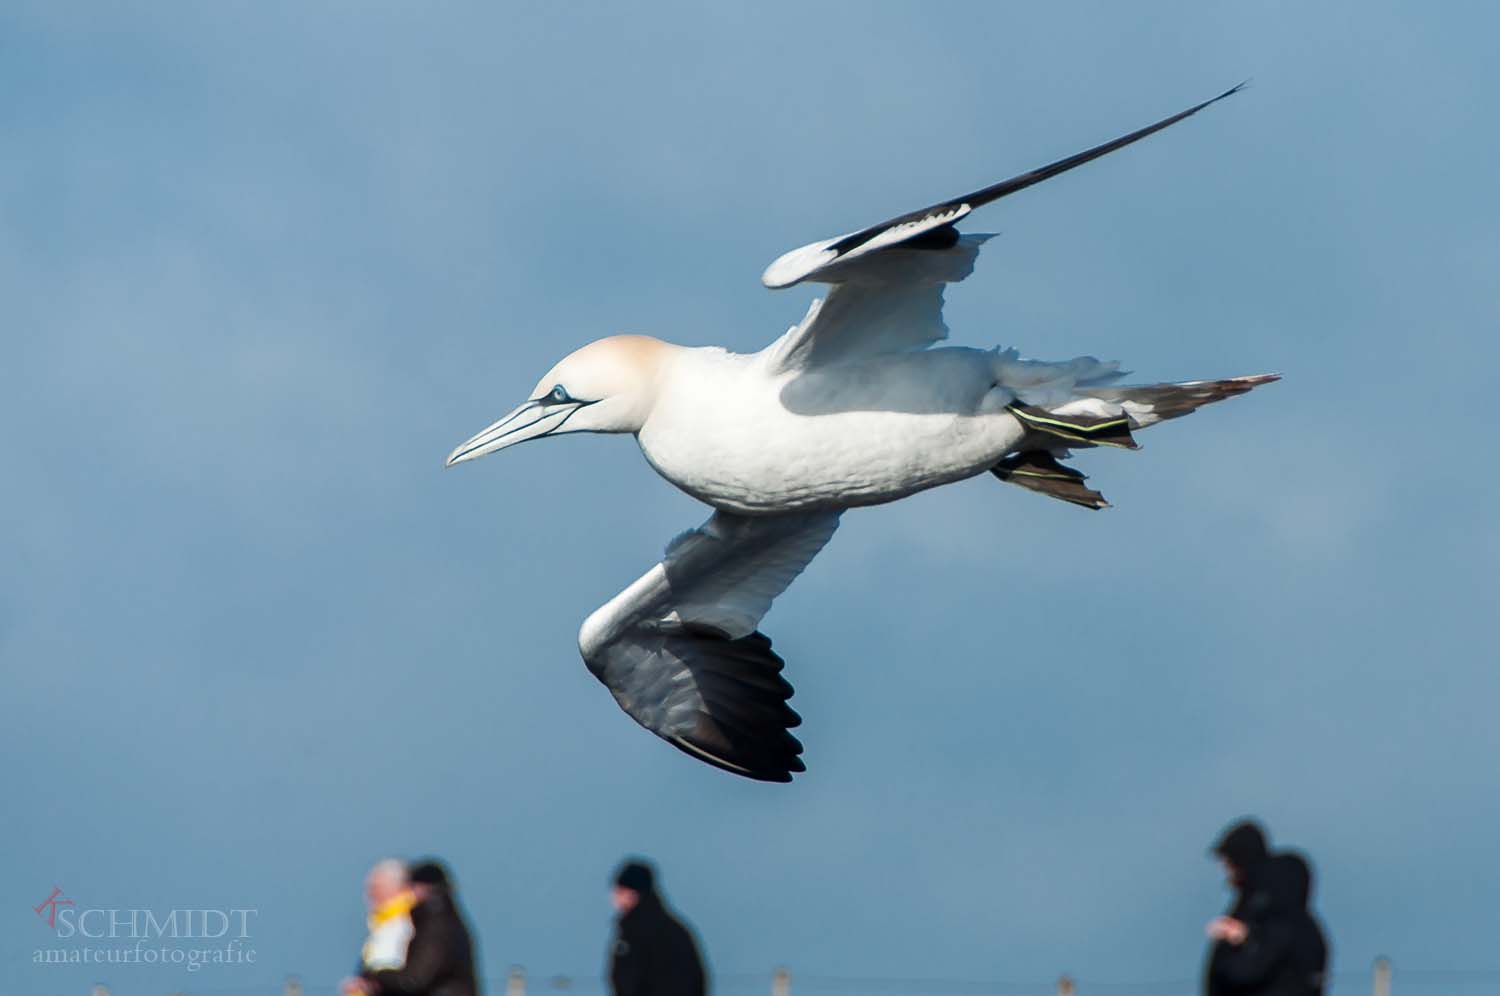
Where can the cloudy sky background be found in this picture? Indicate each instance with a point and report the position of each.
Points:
(262, 265)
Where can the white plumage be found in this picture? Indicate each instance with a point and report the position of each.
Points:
(852, 406)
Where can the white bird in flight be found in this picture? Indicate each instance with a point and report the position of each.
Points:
(851, 407)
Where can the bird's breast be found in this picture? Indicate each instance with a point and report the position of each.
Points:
(855, 434)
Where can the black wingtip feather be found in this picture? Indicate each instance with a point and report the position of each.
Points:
(946, 236)
(745, 722)
(1017, 183)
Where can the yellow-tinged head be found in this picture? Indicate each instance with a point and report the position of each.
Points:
(607, 386)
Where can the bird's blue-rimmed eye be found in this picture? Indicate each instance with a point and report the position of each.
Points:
(557, 395)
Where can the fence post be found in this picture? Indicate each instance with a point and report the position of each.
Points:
(1382, 986)
(1065, 986)
(781, 982)
(292, 986)
(515, 982)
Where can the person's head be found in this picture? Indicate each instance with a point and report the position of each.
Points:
(634, 880)
(1240, 849)
(427, 876)
(1288, 881)
(386, 881)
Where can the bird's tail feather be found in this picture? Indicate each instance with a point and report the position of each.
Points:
(1104, 415)
(1100, 415)
(1148, 404)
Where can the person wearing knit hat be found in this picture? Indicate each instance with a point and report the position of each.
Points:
(428, 871)
(637, 876)
(653, 952)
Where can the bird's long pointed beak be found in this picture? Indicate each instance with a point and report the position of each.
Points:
(528, 421)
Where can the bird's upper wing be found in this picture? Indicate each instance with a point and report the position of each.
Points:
(680, 652)
(887, 302)
(888, 279)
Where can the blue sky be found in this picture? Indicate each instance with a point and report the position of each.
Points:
(263, 265)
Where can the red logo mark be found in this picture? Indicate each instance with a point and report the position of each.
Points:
(50, 904)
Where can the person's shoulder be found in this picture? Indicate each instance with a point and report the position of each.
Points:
(654, 921)
(681, 930)
(440, 915)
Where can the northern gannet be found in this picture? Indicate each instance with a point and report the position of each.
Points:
(851, 407)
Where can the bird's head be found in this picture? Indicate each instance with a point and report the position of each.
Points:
(607, 386)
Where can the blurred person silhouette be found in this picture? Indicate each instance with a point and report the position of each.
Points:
(653, 953)
(389, 898)
(1242, 851)
(438, 958)
(1278, 949)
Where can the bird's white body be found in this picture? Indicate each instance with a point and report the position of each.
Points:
(851, 407)
(742, 437)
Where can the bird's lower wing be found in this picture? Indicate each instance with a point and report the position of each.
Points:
(718, 699)
(680, 652)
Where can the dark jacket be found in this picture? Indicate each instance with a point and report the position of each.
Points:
(440, 958)
(1243, 846)
(1284, 953)
(654, 954)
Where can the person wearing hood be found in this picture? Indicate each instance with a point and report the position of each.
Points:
(1282, 950)
(439, 959)
(1241, 850)
(653, 953)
